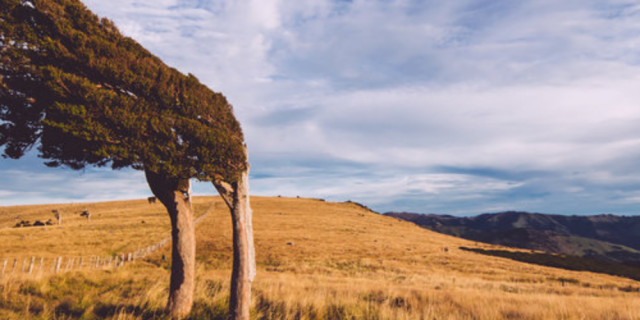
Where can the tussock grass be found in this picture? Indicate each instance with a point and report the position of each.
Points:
(316, 260)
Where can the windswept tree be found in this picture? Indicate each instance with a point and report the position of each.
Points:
(84, 95)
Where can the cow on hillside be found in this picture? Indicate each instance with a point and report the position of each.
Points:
(87, 214)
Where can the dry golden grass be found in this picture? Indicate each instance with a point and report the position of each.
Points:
(316, 260)
(115, 227)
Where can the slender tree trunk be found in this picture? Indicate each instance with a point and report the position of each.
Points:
(236, 196)
(175, 195)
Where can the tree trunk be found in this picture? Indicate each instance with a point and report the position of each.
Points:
(175, 195)
(236, 196)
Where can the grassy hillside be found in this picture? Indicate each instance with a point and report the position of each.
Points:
(547, 241)
(603, 237)
(316, 260)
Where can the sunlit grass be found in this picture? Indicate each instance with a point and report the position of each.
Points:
(316, 260)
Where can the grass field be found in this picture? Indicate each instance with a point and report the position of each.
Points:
(316, 260)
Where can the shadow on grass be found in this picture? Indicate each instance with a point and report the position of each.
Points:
(111, 310)
(200, 311)
(566, 262)
(206, 311)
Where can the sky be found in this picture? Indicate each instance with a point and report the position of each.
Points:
(452, 107)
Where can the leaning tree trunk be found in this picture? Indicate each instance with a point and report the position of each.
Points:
(236, 195)
(175, 195)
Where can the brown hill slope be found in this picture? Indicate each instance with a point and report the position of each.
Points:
(316, 260)
(604, 237)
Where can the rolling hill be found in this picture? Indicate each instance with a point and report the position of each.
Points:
(605, 237)
(316, 260)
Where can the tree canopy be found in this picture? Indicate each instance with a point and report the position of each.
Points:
(73, 86)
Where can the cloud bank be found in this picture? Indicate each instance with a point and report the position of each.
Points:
(457, 107)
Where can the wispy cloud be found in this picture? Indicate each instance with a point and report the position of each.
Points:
(455, 107)
(27, 181)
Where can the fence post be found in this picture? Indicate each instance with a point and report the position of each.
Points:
(4, 266)
(58, 264)
(40, 267)
(24, 262)
(33, 260)
(81, 262)
(66, 266)
(15, 263)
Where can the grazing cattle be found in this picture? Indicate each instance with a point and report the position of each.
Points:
(151, 200)
(86, 214)
(27, 223)
(23, 223)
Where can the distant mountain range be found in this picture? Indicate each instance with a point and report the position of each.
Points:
(604, 237)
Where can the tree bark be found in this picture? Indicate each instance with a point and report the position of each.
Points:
(236, 196)
(175, 195)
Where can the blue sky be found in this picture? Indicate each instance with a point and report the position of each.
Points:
(458, 107)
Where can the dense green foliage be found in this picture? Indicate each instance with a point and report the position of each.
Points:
(84, 94)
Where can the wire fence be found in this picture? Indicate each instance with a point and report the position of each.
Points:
(39, 266)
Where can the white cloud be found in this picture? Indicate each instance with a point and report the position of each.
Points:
(35, 186)
(371, 99)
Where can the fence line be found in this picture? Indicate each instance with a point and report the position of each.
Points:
(76, 263)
